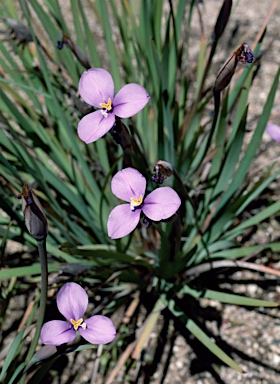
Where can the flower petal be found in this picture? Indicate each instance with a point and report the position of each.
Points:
(122, 220)
(130, 100)
(99, 330)
(96, 86)
(72, 301)
(128, 183)
(161, 203)
(274, 131)
(94, 125)
(57, 332)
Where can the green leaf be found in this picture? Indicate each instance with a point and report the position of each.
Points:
(14, 349)
(227, 298)
(91, 43)
(102, 8)
(235, 253)
(237, 300)
(147, 328)
(271, 210)
(202, 337)
(35, 269)
(16, 373)
(41, 372)
(252, 146)
(103, 253)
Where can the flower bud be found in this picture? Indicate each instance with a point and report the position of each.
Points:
(35, 219)
(121, 135)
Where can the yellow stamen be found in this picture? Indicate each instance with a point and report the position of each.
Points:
(135, 202)
(108, 105)
(78, 323)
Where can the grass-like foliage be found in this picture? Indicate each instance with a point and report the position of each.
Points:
(191, 136)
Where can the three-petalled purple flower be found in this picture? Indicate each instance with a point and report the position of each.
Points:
(130, 185)
(72, 302)
(96, 87)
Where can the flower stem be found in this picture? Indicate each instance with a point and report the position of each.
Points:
(43, 298)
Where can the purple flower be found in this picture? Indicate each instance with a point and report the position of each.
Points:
(274, 131)
(130, 185)
(96, 87)
(72, 301)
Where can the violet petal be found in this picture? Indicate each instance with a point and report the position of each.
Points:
(72, 301)
(128, 183)
(161, 204)
(130, 100)
(57, 332)
(99, 330)
(274, 131)
(96, 86)
(122, 220)
(93, 126)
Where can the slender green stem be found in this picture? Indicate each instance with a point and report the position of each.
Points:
(217, 102)
(43, 299)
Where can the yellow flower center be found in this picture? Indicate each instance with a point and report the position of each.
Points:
(135, 202)
(108, 105)
(78, 323)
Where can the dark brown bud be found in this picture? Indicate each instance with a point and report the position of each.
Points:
(222, 19)
(121, 136)
(35, 219)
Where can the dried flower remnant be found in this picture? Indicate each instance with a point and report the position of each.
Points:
(162, 170)
(274, 131)
(96, 87)
(147, 222)
(72, 302)
(60, 44)
(35, 219)
(68, 42)
(130, 185)
(243, 55)
(18, 31)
